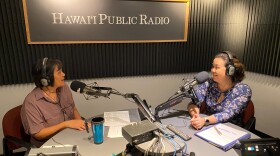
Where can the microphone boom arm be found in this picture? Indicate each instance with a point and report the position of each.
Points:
(142, 106)
(176, 100)
(171, 102)
(96, 91)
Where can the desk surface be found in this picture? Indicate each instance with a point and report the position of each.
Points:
(86, 147)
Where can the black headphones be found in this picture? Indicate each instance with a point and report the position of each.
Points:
(230, 68)
(45, 80)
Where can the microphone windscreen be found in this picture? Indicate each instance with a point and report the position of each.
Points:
(201, 77)
(192, 154)
(78, 86)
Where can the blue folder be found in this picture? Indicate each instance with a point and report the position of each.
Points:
(215, 133)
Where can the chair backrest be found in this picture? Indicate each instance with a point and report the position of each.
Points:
(202, 108)
(12, 126)
(248, 113)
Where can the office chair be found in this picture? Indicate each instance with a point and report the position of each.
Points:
(14, 135)
(202, 109)
(248, 118)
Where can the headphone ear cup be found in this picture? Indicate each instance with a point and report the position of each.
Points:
(230, 70)
(44, 82)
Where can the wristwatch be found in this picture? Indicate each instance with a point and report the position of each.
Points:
(207, 122)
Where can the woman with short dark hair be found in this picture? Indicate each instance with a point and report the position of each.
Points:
(49, 107)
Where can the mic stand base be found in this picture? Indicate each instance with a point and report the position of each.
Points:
(169, 148)
(131, 150)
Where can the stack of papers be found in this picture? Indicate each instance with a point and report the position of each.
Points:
(116, 120)
(222, 136)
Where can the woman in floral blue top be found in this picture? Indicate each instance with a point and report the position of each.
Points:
(225, 96)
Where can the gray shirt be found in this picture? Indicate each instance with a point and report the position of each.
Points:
(39, 112)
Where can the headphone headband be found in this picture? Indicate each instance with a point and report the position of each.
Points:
(45, 81)
(44, 67)
(230, 57)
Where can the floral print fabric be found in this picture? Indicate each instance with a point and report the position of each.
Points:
(231, 107)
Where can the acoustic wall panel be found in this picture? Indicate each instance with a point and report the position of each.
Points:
(249, 28)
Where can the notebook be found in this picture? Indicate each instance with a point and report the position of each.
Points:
(222, 136)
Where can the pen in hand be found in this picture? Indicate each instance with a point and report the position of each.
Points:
(219, 132)
(86, 124)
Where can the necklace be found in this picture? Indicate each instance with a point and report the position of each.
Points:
(221, 98)
(55, 100)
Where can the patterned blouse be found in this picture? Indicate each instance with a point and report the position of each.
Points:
(231, 107)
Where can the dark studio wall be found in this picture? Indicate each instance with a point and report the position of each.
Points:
(249, 28)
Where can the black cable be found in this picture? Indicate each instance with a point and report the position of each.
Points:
(41, 154)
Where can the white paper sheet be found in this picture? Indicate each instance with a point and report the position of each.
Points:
(117, 118)
(115, 132)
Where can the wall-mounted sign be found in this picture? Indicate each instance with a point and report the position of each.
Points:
(105, 21)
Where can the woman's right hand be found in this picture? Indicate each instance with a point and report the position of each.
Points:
(76, 124)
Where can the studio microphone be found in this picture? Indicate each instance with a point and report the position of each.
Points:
(186, 91)
(82, 88)
(199, 78)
